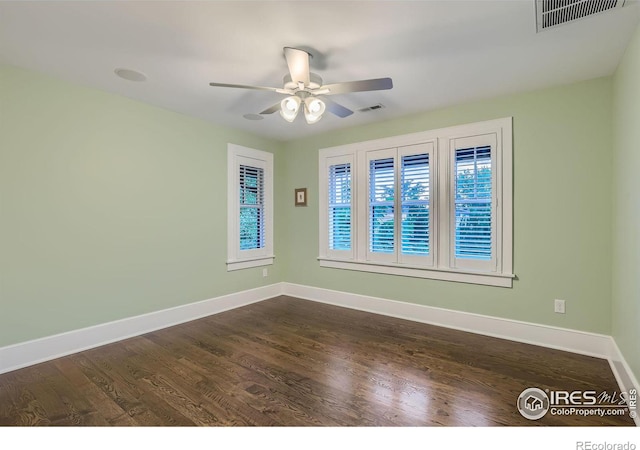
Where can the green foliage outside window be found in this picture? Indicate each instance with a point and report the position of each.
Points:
(473, 213)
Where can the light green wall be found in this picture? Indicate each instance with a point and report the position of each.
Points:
(562, 212)
(626, 205)
(109, 208)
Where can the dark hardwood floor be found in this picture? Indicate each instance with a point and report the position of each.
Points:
(294, 362)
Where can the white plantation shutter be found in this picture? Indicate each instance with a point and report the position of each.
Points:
(473, 211)
(251, 207)
(416, 214)
(399, 205)
(382, 206)
(339, 185)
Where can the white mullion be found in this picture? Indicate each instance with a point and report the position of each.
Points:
(444, 202)
(362, 206)
(397, 207)
(434, 205)
(496, 216)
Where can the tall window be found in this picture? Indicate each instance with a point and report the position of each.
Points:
(382, 188)
(250, 208)
(337, 190)
(340, 206)
(473, 209)
(416, 215)
(475, 218)
(435, 204)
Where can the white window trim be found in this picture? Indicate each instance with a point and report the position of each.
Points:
(243, 259)
(440, 273)
(443, 268)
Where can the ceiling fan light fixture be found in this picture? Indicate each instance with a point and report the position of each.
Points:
(289, 108)
(313, 109)
(300, 85)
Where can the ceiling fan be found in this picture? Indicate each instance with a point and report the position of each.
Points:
(305, 90)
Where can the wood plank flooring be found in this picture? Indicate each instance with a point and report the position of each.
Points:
(292, 362)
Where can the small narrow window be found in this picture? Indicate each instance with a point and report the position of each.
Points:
(340, 207)
(473, 206)
(250, 208)
(416, 218)
(381, 206)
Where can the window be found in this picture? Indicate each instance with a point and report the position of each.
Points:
(340, 207)
(381, 210)
(435, 204)
(416, 206)
(474, 229)
(250, 208)
(398, 225)
(338, 185)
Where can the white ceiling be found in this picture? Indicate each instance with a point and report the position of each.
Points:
(438, 53)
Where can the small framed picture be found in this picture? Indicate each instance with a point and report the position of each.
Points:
(301, 197)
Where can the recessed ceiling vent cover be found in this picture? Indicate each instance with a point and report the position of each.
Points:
(372, 108)
(551, 13)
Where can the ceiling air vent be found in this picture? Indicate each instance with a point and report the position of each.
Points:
(551, 13)
(372, 108)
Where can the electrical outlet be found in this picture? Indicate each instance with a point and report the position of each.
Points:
(265, 272)
(558, 306)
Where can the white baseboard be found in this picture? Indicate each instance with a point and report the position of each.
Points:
(575, 341)
(624, 375)
(39, 350)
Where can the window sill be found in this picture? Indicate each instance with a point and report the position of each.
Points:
(487, 279)
(248, 263)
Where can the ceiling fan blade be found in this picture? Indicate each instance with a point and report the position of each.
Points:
(377, 84)
(336, 108)
(298, 62)
(259, 88)
(272, 109)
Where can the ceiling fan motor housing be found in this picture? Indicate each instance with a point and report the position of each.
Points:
(315, 81)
